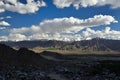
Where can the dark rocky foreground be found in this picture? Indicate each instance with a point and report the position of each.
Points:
(27, 65)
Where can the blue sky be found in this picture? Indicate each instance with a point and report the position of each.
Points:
(51, 10)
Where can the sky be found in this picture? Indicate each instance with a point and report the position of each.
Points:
(66, 20)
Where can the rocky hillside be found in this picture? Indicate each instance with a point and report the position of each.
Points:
(21, 57)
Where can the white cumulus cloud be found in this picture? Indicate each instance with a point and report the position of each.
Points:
(66, 25)
(89, 33)
(86, 3)
(107, 33)
(16, 6)
(13, 37)
(66, 29)
(7, 17)
(4, 24)
(16, 37)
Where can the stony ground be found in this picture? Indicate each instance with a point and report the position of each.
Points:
(68, 68)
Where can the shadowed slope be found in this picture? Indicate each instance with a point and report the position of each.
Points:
(22, 57)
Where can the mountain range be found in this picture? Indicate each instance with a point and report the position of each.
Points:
(96, 44)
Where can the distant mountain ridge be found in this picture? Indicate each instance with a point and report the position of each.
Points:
(96, 44)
